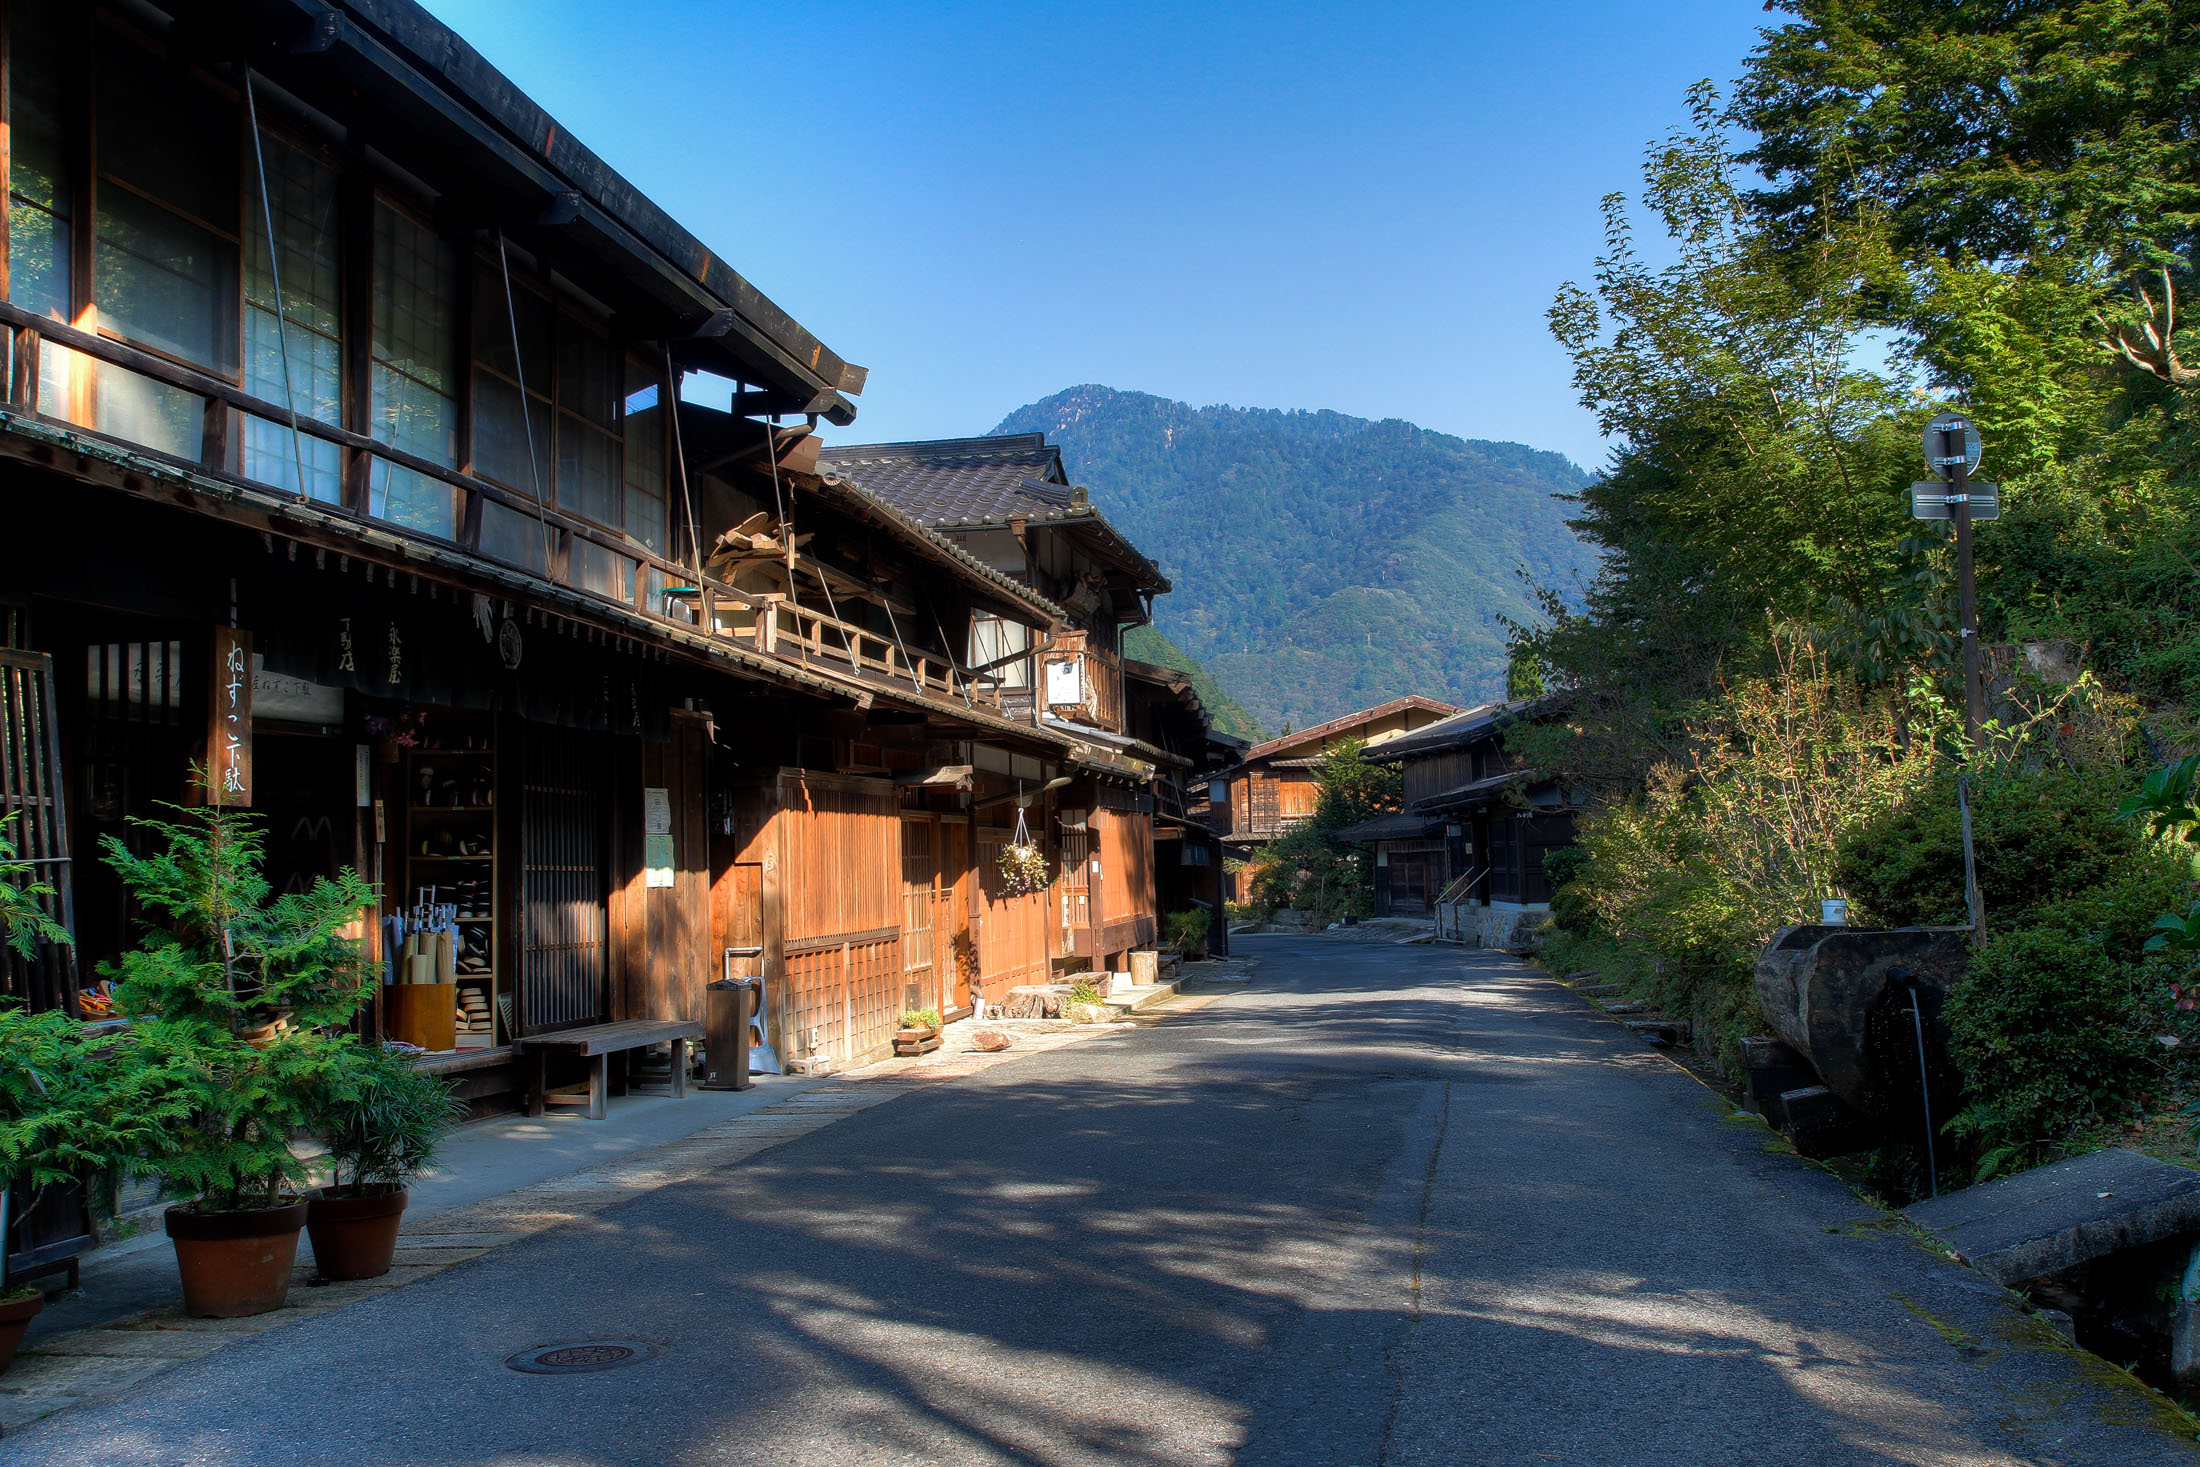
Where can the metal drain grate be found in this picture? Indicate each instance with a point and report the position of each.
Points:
(578, 1357)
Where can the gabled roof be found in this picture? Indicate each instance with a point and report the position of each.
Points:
(1335, 726)
(713, 438)
(961, 481)
(1465, 728)
(985, 483)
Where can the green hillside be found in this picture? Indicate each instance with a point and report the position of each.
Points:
(1322, 562)
(1147, 644)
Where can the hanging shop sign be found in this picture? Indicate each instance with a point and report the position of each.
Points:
(229, 729)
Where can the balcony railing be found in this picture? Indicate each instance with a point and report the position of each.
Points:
(656, 587)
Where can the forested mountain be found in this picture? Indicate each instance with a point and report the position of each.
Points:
(1322, 562)
(1147, 644)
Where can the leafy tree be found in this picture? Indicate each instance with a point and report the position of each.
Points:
(1305, 867)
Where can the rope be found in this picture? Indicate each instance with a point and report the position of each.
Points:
(679, 456)
(526, 414)
(275, 274)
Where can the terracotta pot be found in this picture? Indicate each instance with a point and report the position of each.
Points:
(235, 1263)
(15, 1317)
(354, 1233)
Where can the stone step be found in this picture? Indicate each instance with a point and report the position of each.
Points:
(1600, 990)
(1663, 1031)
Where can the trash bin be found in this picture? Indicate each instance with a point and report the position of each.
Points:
(726, 1007)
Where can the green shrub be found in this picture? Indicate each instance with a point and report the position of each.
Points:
(1187, 931)
(2040, 836)
(920, 1018)
(2056, 1028)
(384, 1117)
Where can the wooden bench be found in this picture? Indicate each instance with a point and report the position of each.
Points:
(596, 1044)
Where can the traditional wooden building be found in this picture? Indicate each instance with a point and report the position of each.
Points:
(1276, 784)
(339, 458)
(1468, 847)
(1008, 502)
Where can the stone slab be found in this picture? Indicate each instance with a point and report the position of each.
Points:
(2070, 1212)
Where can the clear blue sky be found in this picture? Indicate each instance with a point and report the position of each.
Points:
(1359, 207)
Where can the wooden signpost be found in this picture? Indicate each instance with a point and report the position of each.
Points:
(229, 721)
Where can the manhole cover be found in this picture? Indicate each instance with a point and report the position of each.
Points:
(577, 1357)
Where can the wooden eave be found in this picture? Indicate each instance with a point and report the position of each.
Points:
(156, 480)
(394, 58)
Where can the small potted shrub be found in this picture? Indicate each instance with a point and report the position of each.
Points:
(383, 1119)
(919, 1032)
(238, 1002)
(1187, 932)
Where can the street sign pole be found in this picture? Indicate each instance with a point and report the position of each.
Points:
(1974, 690)
(1952, 446)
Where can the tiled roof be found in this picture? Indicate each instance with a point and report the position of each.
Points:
(965, 483)
(1322, 731)
(960, 481)
(1464, 728)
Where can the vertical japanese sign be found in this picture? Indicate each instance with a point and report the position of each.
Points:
(657, 856)
(229, 734)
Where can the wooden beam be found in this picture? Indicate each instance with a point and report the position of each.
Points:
(951, 776)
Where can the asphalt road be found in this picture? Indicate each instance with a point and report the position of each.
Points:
(1393, 1205)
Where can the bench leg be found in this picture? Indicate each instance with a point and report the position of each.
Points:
(599, 1082)
(538, 1088)
(679, 1069)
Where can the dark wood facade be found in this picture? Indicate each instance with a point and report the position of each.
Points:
(630, 688)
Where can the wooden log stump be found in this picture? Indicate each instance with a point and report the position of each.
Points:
(1036, 1001)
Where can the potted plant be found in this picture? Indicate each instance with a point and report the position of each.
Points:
(74, 1105)
(1188, 932)
(919, 1032)
(383, 1119)
(238, 1002)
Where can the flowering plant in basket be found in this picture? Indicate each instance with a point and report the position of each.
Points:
(1023, 868)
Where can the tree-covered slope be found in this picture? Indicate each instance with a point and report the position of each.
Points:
(1322, 562)
(1147, 644)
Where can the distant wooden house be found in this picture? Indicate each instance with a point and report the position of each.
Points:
(1276, 784)
(1007, 502)
(1469, 845)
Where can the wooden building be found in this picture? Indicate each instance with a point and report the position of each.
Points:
(338, 456)
(1008, 502)
(1468, 847)
(1276, 784)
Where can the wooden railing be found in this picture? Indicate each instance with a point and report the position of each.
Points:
(774, 624)
(662, 589)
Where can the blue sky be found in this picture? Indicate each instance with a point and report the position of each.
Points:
(1364, 208)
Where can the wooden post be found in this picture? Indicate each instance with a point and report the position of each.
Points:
(23, 371)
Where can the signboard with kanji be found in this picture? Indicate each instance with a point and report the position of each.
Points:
(229, 726)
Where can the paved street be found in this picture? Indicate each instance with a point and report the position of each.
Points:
(1404, 1205)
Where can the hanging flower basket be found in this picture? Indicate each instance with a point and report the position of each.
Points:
(1023, 864)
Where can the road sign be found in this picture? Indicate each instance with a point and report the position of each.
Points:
(1937, 457)
(1933, 500)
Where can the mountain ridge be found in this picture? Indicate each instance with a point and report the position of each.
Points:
(1323, 562)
